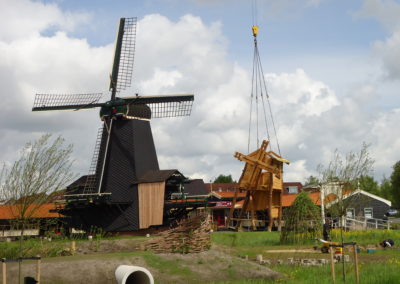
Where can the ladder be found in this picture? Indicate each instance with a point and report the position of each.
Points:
(91, 180)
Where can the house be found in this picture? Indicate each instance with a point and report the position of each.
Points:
(292, 187)
(360, 203)
(221, 197)
(41, 217)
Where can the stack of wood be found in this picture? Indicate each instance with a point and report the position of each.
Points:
(192, 235)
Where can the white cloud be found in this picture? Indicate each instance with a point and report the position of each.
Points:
(183, 56)
(387, 13)
(24, 18)
(298, 171)
(386, 148)
(389, 52)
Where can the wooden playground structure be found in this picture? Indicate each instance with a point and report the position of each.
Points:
(262, 180)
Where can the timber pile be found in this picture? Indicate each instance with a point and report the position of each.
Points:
(192, 235)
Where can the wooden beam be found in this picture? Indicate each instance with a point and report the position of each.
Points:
(232, 210)
(244, 208)
(280, 212)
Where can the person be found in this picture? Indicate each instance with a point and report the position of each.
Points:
(326, 229)
(387, 243)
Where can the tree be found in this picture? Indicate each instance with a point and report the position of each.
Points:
(385, 189)
(311, 181)
(341, 177)
(395, 181)
(367, 183)
(303, 222)
(43, 167)
(224, 179)
(343, 174)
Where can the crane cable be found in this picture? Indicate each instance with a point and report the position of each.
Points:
(259, 89)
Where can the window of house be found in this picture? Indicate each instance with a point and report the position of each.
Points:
(350, 213)
(368, 212)
(292, 189)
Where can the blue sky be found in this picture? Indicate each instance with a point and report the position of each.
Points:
(332, 68)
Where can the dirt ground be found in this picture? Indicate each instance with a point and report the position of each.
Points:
(91, 266)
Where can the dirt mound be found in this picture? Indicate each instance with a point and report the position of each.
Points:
(203, 267)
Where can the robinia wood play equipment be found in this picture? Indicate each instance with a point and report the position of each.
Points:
(262, 180)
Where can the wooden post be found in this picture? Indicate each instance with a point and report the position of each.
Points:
(332, 265)
(232, 209)
(38, 263)
(4, 265)
(280, 212)
(73, 247)
(244, 208)
(253, 221)
(270, 205)
(356, 263)
(20, 271)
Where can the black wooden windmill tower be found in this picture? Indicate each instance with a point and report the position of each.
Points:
(125, 189)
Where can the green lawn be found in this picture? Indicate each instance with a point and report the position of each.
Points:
(382, 266)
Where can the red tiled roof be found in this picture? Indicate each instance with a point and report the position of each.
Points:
(288, 199)
(224, 187)
(9, 212)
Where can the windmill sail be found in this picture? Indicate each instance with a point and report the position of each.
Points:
(121, 76)
(164, 106)
(49, 102)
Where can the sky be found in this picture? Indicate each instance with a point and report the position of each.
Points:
(332, 69)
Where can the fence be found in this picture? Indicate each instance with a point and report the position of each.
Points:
(361, 223)
(7, 231)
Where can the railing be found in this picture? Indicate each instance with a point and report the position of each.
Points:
(7, 231)
(360, 223)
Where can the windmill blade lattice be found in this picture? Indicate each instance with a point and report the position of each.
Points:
(93, 178)
(165, 106)
(49, 102)
(127, 53)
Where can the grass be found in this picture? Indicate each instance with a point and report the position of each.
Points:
(383, 266)
(234, 239)
(366, 237)
(30, 247)
(172, 267)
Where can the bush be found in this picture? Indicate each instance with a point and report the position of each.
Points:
(303, 222)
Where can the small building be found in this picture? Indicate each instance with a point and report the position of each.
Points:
(39, 218)
(360, 203)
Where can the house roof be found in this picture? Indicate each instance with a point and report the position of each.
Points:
(359, 191)
(9, 212)
(158, 175)
(196, 187)
(227, 194)
(78, 182)
(217, 187)
(288, 199)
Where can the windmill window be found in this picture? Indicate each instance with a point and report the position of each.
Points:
(368, 213)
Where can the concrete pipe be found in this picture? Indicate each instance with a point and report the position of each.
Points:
(129, 274)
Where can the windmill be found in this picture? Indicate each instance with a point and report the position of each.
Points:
(125, 155)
